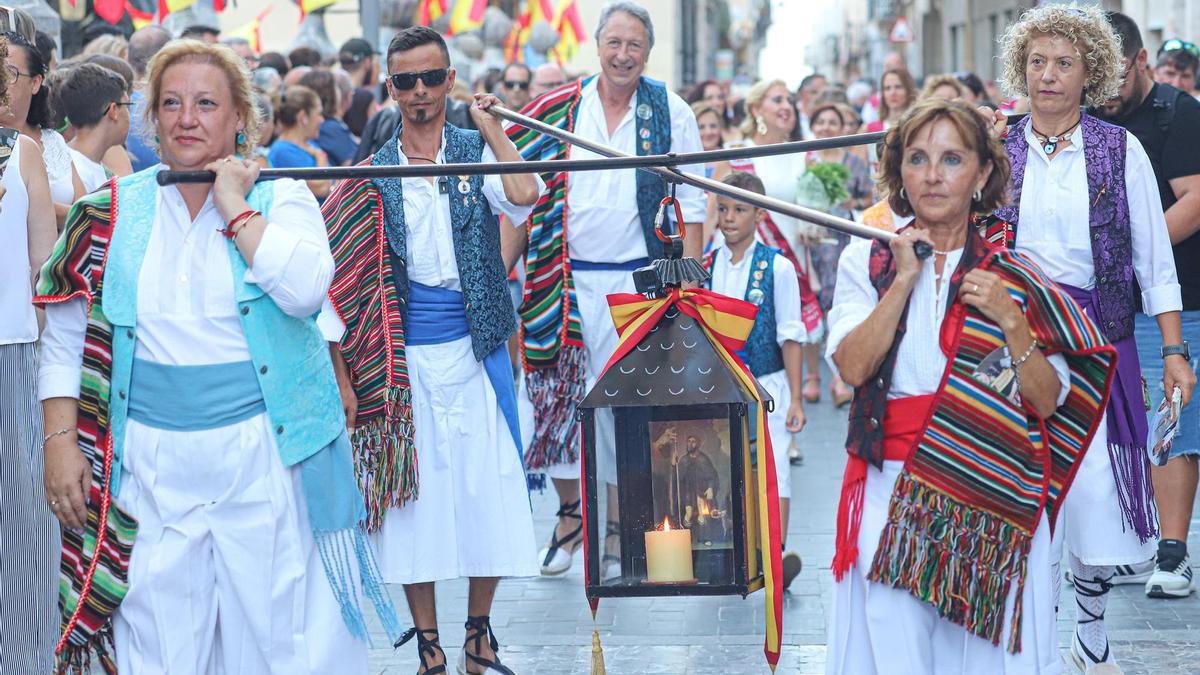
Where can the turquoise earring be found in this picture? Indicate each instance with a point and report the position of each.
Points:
(240, 139)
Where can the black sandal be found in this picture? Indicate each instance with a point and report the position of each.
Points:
(426, 649)
(479, 627)
(568, 510)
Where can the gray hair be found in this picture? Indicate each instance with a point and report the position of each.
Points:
(632, 9)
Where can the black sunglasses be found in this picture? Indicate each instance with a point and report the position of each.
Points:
(430, 78)
(511, 84)
(1175, 43)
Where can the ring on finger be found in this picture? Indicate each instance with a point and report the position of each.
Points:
(974, 288)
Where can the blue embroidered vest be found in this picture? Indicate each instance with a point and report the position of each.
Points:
(1112, 243)
(291, 358)
(476, 233)
(762, 353)
(652, 116)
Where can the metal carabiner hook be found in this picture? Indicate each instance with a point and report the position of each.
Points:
(660, 217)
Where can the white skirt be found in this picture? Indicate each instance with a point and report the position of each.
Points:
(224, 577)
(472, 516)
(592, 289)
(1094, 529)
(875, 628)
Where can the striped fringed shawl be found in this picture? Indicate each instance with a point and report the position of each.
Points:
(964, 511)
(364, 295)
(551, 326)
(91, 586)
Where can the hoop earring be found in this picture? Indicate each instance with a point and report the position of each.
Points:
(903, 194)
(978, 196)
(240, 139)
(760, 125)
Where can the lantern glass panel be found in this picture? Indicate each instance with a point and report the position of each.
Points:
(676, 524)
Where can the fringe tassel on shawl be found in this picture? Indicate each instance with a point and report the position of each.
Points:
(556, 394)
(343, 553)
(849, 516)
(1135, 490)
(385, 459)
(76, 659)
(960, 560)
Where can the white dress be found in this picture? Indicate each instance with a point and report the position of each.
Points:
(224, 577)
(603, 227)
(729, 278)
(1054, 231)
(877, 629)
(472, 517)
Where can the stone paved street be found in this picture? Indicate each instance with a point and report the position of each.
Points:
(545, 627)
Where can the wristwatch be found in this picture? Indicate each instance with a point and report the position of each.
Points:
(1181, 349)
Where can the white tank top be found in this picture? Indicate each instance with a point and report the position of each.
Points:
(18, 323)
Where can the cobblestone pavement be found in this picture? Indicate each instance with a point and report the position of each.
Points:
(545, 627)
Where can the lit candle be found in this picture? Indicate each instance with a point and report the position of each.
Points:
(668, 554)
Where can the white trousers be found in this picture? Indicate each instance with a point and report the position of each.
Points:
(472, 516)
(1094, 527)
(777, 386)
(224, 577)
(592, 289)
(877, 629)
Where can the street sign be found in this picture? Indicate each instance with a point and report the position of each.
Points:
(900, 31)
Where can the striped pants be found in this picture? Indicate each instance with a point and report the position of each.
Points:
(29, 542)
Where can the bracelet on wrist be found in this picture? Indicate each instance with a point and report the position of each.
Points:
(60, 432)
(238, 223)
(1028, 352)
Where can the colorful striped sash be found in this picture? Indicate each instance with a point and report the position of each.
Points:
(985, 470)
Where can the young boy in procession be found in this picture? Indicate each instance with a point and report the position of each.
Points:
(745, 268)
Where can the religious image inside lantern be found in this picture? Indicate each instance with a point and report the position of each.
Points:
(688, 486)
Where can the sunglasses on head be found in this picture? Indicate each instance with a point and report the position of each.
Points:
(516, 85)
(1175, 43)
(430, 78)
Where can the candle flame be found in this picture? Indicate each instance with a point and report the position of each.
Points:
(704, 510)
(665, 525)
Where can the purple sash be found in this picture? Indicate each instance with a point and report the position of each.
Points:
(1127, 428)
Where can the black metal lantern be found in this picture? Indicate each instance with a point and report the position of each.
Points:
(686, 493)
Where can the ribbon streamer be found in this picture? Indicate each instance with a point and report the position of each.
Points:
(726, 323)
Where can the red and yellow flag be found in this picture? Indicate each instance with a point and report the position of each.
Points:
(252, 31)
(570, 30)
(467, 16)
(165, 7)
(429, 11)
(309, 6)
(726, 323)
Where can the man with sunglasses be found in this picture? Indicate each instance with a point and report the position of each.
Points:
(546, 77)
(420, 331)
(1177, 64)
(514, 84)
(1166, 121)
(606, 220)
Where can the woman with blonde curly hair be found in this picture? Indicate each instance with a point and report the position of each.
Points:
(1084, 205)
(944, 86)
(194, 428)
(970, 371)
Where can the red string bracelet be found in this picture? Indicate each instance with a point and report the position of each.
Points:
(238, 222)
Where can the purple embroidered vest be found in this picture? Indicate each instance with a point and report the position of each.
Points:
(1112, 244)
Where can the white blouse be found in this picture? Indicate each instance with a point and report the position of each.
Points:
(730, 278)
(57, 155)
(186, 309)
(1055, 221)
(780, 175)
(18, 322)
(920, 361)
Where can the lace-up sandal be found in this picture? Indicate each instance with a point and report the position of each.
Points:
(478, 628)
(556, 558)
(1085, 659)
(428, 648)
